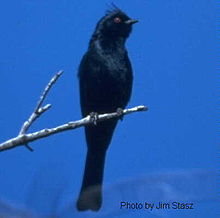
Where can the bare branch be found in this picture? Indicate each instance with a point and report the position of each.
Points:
(40, 110)
(23, 138)
(47, 89)
(27, 138)
(32, 118)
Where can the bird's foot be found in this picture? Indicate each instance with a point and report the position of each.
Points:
(120, 113)
(94, 117)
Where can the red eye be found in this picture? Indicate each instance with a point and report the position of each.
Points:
(117, 20)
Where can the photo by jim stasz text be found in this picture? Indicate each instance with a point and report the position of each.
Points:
(159, 205)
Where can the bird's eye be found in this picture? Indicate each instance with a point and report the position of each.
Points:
(117, 20)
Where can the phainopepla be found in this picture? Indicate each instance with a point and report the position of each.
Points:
(105, 77)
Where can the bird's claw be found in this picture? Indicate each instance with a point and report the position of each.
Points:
(93, 117)
(120, 113)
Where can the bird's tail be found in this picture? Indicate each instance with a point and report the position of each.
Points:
(91, 191)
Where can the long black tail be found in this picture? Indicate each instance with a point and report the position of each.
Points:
(91, 191)
(98, 138)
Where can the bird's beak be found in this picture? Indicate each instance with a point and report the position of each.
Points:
(131, 21)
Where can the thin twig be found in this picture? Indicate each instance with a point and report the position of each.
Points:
(47, 89)
(27, 138)
(40, 110)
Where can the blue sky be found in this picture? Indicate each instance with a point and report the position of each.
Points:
(173, 53)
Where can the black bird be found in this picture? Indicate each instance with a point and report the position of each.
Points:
(105, 77)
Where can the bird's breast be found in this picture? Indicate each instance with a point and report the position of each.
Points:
(105, 81)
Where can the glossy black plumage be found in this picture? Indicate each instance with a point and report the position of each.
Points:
(105, 77)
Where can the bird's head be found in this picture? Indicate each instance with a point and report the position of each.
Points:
(115, 24)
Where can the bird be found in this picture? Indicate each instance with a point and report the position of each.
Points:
(105, 84)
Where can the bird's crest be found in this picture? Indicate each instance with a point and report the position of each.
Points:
(113, 9)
